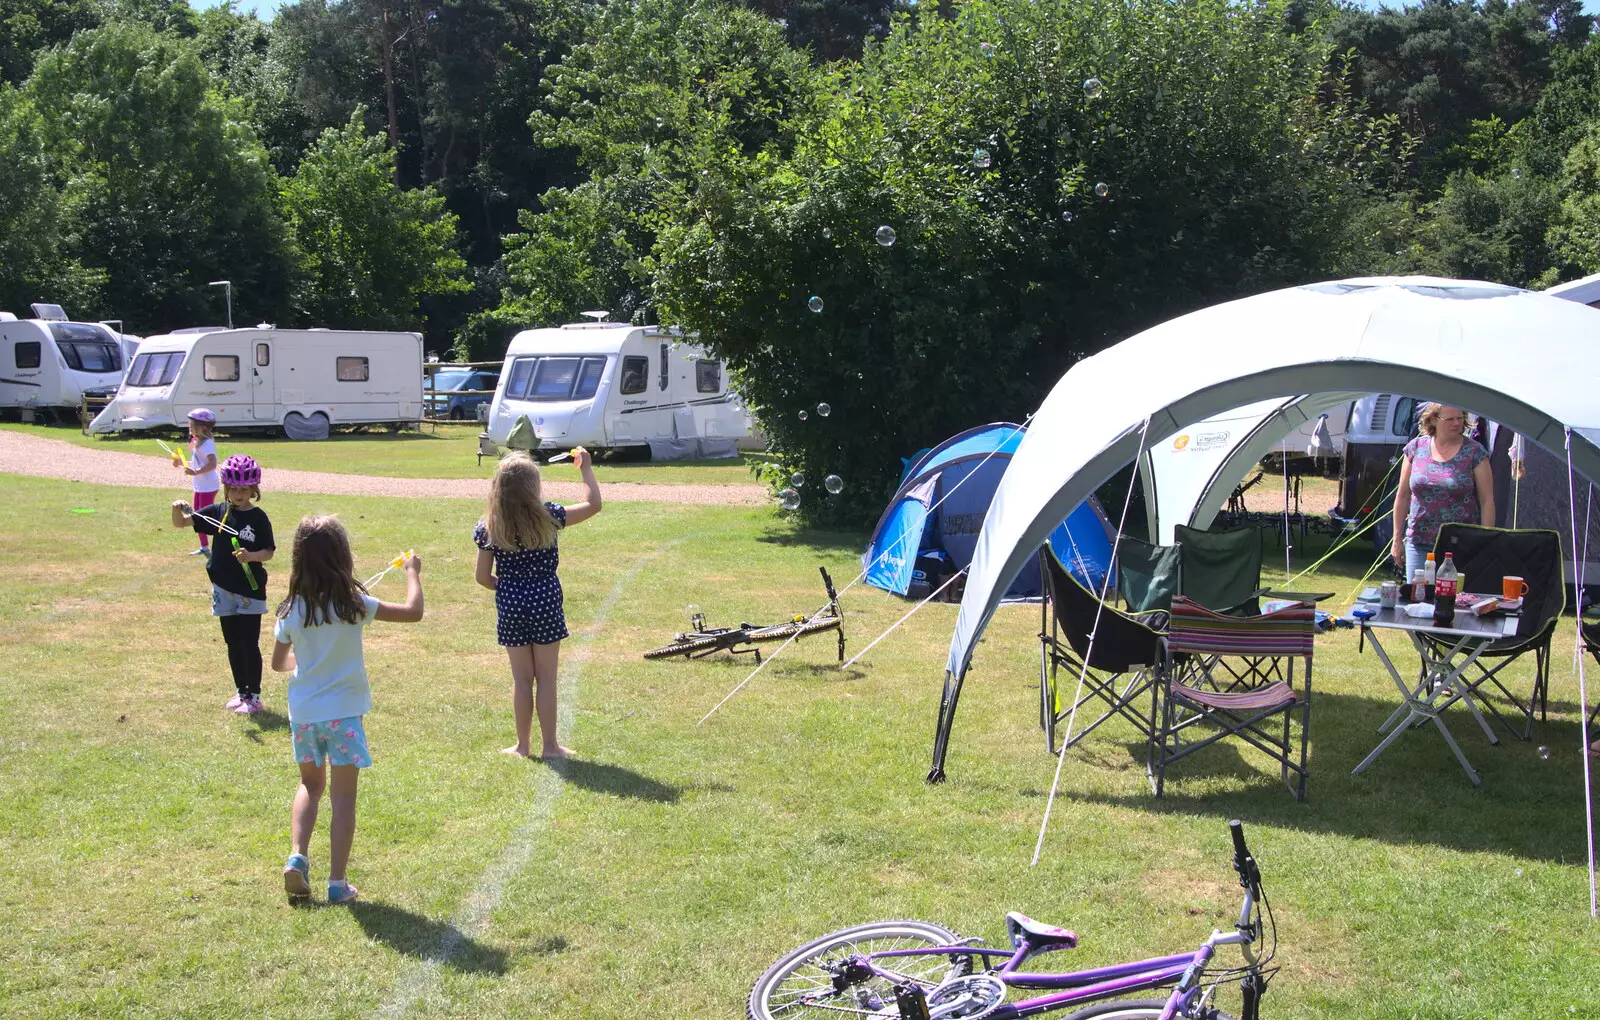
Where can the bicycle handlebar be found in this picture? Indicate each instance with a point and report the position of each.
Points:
(1243, 863)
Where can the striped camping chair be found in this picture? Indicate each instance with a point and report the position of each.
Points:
(1232, 676)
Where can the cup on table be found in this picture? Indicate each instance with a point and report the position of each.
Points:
(1513, 587)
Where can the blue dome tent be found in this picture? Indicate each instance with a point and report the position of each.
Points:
(941, 504)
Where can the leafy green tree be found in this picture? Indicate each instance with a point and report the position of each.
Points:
(28, 27)
(34, 264)
(1057, 176)
(1575, 236)
(162, 186)
(368, 252)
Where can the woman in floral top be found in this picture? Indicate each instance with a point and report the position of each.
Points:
(1444, 477)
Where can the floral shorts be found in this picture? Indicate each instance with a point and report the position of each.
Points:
(337, 741)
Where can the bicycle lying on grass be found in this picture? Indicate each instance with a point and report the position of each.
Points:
(913, 970)
(701, 641)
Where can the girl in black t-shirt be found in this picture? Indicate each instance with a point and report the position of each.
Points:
(238, 579)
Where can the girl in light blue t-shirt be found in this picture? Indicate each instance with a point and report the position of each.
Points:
(319, 637)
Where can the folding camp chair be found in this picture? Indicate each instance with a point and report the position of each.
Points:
(1221, 570)
(1118, 669)
(1485, 556)
(1198, 639)
(1590, 632)
(1147, 575)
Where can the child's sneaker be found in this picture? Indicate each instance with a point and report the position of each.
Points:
(200, 551)
(297, 875)
(233, 702)
(253, 704)
(341, 892)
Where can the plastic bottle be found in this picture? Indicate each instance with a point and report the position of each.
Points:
(1430, 573)
(1444, 592)
(1417, 586)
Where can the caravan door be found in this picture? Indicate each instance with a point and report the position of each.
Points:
(264, 390)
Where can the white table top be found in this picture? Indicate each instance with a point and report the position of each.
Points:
(1464, 625)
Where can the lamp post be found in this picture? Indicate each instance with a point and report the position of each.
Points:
(227, 289)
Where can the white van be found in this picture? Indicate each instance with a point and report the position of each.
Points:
(49, 364)
(304, 380)
(611, 385)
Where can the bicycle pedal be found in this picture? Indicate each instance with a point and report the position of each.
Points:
(913, 1005)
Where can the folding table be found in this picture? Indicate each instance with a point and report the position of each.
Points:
(1452, 650)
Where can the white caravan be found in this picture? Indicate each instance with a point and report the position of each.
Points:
(304, 380)
(608, 385)
(48, 363)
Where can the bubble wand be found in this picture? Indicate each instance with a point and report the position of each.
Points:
(398, 561)
(177, 461)
(216, 524)
(249, 575)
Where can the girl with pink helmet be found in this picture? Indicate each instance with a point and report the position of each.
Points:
(238, 577)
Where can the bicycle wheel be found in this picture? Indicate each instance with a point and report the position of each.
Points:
(1135, 1009)
(800, 985)
(684, 647)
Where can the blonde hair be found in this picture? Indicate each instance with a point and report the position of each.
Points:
(1428, 421)
(517, 517)
(324, 573)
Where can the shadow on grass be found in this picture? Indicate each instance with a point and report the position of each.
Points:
(1527, 806)
(268, 721)
(614, 780)
(426, 939)
(817, 541)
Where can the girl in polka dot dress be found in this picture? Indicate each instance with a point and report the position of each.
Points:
(517, 560)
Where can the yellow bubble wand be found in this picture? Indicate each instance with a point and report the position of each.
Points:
(177, 460)
(398, 561)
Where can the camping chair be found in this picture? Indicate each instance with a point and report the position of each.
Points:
(1147, 575)
(1118, 669)
(1197, 640)
(1221, 570)
(1486, 556)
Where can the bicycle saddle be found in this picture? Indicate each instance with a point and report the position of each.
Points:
(1040, 936)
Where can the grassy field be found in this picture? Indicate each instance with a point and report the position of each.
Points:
(143, 828)
(449, 452)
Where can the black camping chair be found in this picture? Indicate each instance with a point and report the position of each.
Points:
(1486, 556)
(1118, 668)
(1147, 575)
(1198, 639)
(1590, 632)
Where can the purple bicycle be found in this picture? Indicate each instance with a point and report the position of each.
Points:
(913, 970)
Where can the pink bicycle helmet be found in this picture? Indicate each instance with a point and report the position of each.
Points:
(241, 469)
(204, 414)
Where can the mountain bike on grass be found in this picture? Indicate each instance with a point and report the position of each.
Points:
(703, 640)
(913, 970)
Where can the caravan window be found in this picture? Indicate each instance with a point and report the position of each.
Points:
(521, 372)
(28, 352)
(263, 355)
(351, 369)
(662, 384)
(708, 376)
(553, 379)
(157, 369)
(220, 368)
(589, 378)
(1405, 417)
(86, 348)
(635, 375)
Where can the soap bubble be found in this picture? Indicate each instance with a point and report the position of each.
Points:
(815, 304)
(1516, 174)
(980, 158)
(827, 233)
(987, 49)
(789, 499)
(824, 409)
(798, 479)
(1093, 88)
(804, 416)
(692, 609)
(1519, 872)
(834, 484)
(1067, 216)
(1544, 753)
(1102, 189)
(884, 235)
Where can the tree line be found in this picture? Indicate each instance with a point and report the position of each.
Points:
(1056, 174)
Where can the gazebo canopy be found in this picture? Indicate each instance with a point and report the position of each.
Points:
(1257, 368)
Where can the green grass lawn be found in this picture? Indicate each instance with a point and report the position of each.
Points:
(448, 452)
(144, 828)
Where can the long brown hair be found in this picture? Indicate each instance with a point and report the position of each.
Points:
(324, 573)
(517, 517)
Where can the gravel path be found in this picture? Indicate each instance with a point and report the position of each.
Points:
(52, 458)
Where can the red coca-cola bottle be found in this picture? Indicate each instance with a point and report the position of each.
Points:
(1444, 592)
